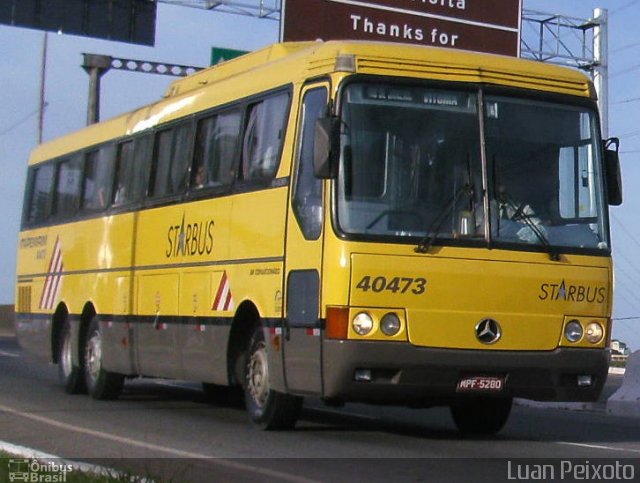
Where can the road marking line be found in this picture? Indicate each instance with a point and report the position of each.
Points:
(598, 446)
(25, 452)
(9, 354)
(154, 447)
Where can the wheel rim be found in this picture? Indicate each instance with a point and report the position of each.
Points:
(66, 361)
(94, 356)
(258, 375)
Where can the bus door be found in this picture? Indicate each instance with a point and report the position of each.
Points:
(303, 342)
(163, 245)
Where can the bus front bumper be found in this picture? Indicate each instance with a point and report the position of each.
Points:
(400, 373)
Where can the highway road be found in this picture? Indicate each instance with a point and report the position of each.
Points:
(169, 429)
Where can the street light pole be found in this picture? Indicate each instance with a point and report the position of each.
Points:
(43, 72)
(96, 66)
(601, 69)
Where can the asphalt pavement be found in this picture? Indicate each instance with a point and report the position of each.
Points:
(168, 428)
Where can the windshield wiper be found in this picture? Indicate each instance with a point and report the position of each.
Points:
(521, 215)
(432, 233)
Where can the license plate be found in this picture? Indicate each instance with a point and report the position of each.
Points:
(481, 384)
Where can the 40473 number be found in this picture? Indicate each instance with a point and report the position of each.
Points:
(416, 286)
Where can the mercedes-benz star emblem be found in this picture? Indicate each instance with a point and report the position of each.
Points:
(488, 331)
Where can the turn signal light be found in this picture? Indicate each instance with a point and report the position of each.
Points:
(337, 322)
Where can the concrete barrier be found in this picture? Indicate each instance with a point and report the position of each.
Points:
(6, 320)
(626, 400)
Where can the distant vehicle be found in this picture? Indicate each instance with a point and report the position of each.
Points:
(352, 221)
(619, 348)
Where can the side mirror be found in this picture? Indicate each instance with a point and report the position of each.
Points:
(326, 147)
(612, 171)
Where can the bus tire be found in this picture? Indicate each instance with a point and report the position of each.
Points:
(481, 415)
(268, 409)
(71, 376)
(101, 384)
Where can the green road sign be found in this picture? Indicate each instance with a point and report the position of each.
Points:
(219, 54)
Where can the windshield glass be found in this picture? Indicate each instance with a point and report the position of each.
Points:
(546, 174)
(411, 169)
(410, 164)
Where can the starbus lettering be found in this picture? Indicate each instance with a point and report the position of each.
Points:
(190, 239)
(572, 293)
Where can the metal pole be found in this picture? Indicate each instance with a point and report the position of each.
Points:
(601, 69)
(93, 105)
(43, 72)
(96, 66)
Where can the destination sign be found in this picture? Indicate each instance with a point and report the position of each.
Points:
(491, 26)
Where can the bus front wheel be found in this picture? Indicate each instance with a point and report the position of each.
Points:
(481, 415)
(101, 384)
(268, 409)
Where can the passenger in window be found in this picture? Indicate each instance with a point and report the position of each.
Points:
(95, 198)
(268, 162)
(101, 201)
(120, 197)
(199, 178)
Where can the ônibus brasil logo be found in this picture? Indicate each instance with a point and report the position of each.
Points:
(35, 471)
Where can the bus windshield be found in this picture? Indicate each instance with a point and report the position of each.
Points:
(411, 167)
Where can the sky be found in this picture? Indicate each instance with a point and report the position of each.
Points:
(186, 35)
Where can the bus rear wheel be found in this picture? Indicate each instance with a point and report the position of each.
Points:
(101, 384)
(481, 415)
(268, 409)
(71, 376)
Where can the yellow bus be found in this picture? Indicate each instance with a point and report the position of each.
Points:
(352, 221)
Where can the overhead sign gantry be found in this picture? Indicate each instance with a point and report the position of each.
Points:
(131, 21)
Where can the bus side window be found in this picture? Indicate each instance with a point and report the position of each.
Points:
(171, 155)
(141, 171)
(180, 156)
(122, 193)
(263, 137)
(225, 147)
(215, 150)
(201, 153)
(307, 191)
(39, 198)
(98, 176)
(68, 183)
(159, 185)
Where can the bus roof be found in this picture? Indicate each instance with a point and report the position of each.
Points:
(293, 62)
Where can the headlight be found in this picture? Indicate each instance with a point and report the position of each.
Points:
(573, 331)
(362, 323)
(594, 332)
(390, 324)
